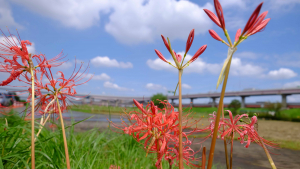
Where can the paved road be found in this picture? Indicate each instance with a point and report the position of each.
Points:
(254, 157)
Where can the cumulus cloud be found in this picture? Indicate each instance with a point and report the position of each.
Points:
(115, 86)
(135, 21)
(107, 62)
(6, 18)
(231, 3)
(71, 13)
(102, 76)
(186, 86)
(200, 66)
(292, 84)
(282, 73)
(152, 86)
(238, 68)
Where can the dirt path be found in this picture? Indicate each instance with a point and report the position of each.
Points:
(253, 157)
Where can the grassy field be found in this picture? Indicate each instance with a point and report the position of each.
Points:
(287, 115)
(88, 150)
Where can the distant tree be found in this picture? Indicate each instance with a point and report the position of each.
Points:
(235, 105)
(160, 97)
(274, 107)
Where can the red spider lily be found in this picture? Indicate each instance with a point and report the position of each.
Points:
(198, 53)
(166, 43)
(246, 131)
(219, 12)
(252, 20)
(213, 17)
(214, 35)
(61, 88)
(255, 23)
(189, 40)
(159, 129)
(13, 76)
(160, 56)
(237, 35)
(20, 61)
(217, 20)
(178, 56)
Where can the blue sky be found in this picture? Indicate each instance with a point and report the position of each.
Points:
(118, 38)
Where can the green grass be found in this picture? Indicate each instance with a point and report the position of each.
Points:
(87, 150)
(287, 115)
(100, 109)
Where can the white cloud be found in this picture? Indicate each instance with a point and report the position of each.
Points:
(282, 73)
(135, 21)
(289, 59)
(284, 4)
(186, 86)
(199, 66)
(107, 62)
(231, 3)
(115, 86)
(6, 18)
(292, 84)
(102, 76)
(152, 86)
(238, 68)
(71, 13)
(293, 98)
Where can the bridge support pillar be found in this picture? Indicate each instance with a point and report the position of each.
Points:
(192, 102)
(283, 101)
(214, 104)
(172, 102)
(243, 104)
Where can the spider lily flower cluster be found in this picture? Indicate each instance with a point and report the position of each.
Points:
(177, 57)
(19, 63)
(241, 125)
(159, 129)
(256, 23)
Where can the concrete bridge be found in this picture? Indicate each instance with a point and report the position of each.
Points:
(122, 100)
(243, 95)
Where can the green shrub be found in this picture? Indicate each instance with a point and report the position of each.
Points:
(160, 97)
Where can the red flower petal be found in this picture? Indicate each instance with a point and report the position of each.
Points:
(165, 42)
(190, 40)
(160, 56)
(237, 35)
(252, 18)
(214, 35)
(198, 53)
(213, 17)
(220, 14)
(260, 27)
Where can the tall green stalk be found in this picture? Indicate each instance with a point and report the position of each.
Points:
(180, 120)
